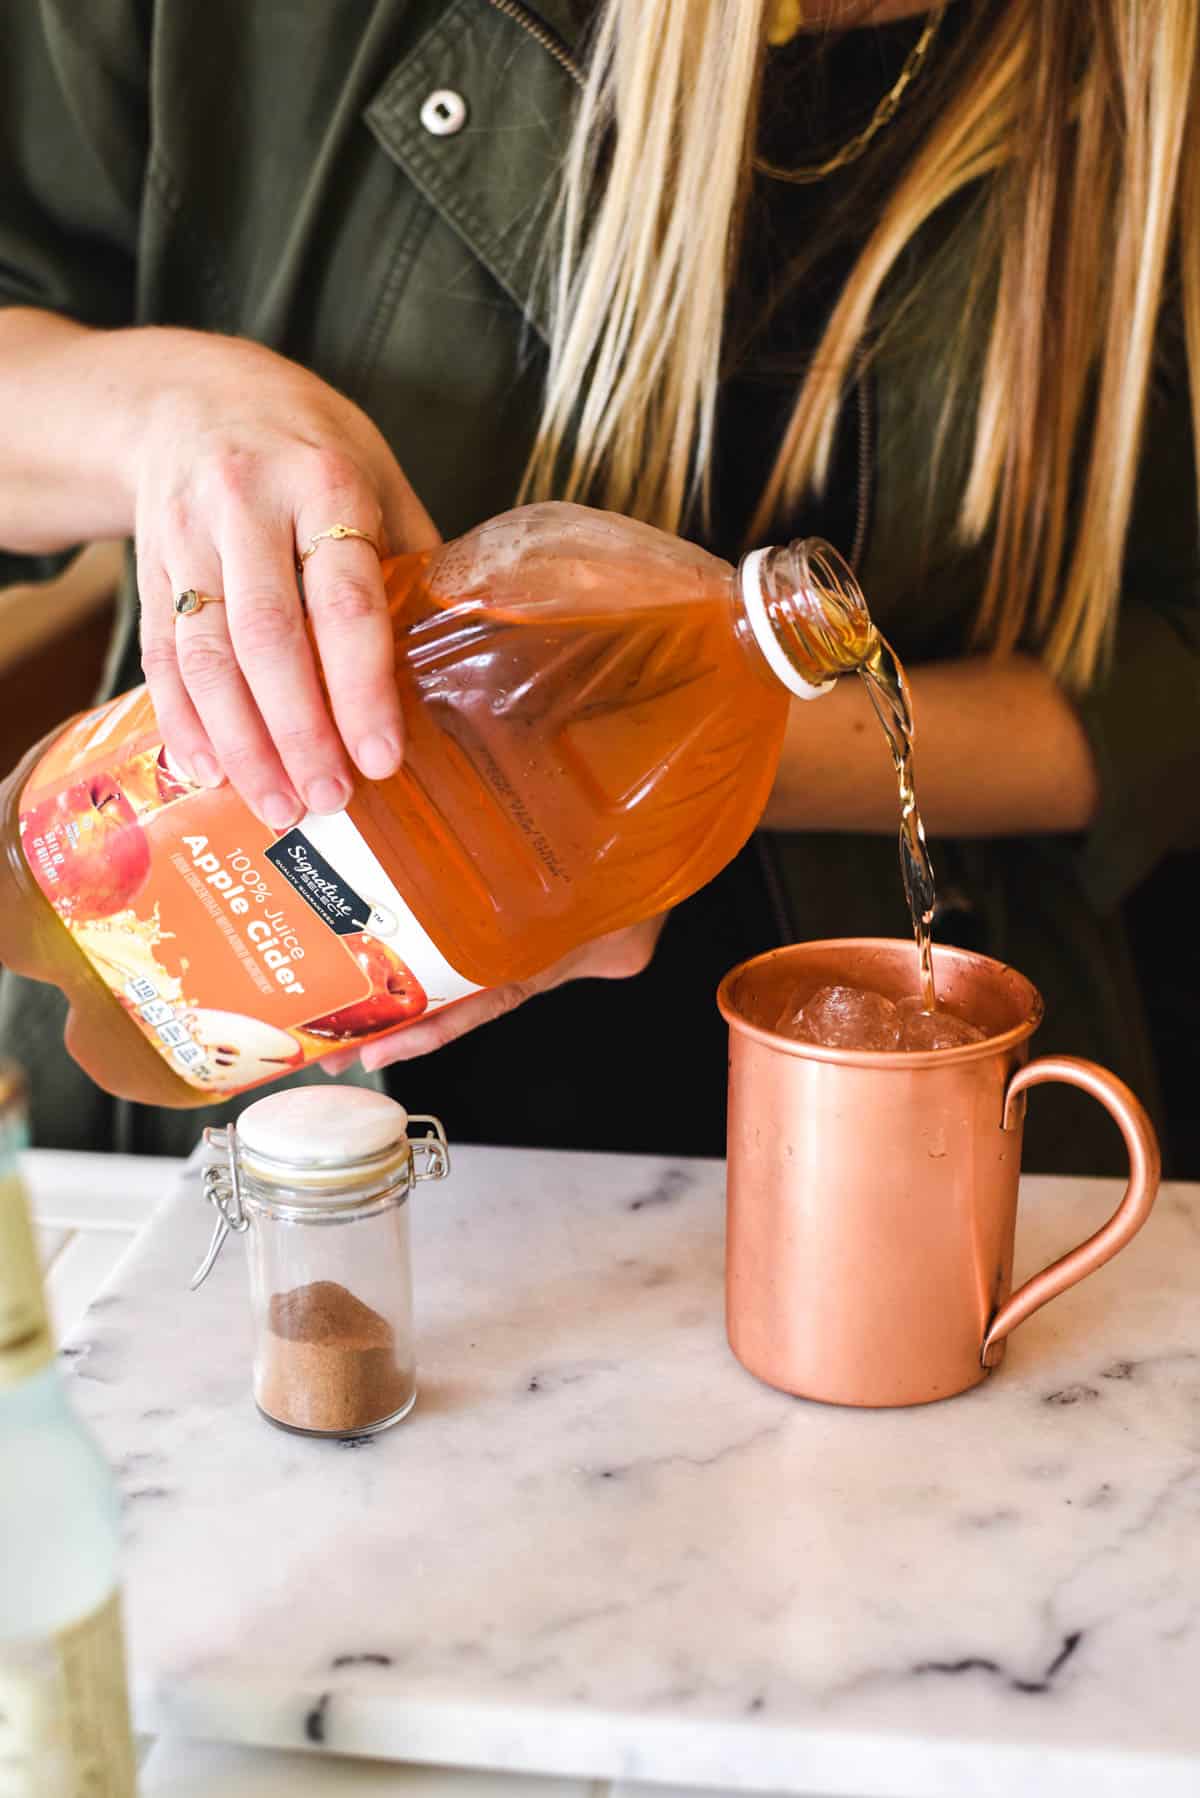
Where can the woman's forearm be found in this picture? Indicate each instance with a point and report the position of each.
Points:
(69, 400)
(1000, 751)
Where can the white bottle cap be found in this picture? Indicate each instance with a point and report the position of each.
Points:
(313, 1126)
(754, 601)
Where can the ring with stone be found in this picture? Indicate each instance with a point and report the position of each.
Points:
(190, 601)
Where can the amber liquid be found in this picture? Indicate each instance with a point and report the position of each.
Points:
(883, 675)
(575, 761)
(591, 736)
(583, 750)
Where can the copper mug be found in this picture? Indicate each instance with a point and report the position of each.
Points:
(872, 1197)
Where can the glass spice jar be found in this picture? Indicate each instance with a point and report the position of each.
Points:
(317, 1180)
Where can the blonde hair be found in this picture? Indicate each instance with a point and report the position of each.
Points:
(1081, 118)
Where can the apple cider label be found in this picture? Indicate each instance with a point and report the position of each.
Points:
(239, 954)
(64, 1714)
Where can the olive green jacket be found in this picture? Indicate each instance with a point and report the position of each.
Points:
(269, 170)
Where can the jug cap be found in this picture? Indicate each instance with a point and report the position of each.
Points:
(754, 599)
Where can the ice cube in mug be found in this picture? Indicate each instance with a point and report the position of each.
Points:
(920, 1029)
(845, 1017)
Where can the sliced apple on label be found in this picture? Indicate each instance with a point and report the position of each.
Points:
(240, 1050)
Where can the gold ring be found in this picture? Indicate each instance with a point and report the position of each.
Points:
(190, 601)
(335, 533)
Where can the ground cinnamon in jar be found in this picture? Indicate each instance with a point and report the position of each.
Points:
(328, 1361)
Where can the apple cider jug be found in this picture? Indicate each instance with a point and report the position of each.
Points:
(594, 712)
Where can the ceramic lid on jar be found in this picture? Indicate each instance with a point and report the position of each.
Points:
(322, 1127)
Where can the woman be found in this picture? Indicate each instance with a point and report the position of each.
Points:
(925, 280)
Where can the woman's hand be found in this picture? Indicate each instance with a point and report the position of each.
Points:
(613, 957)
(240, 459)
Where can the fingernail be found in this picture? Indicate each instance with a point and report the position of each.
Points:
(327, 794)
(333, 1065)
(280, 810)
(378, 755)
(205, 769)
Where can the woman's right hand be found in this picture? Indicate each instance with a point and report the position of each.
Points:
(237, 459)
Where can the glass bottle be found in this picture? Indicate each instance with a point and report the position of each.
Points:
(64, 1712)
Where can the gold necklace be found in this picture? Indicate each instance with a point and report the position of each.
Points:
(884, 113)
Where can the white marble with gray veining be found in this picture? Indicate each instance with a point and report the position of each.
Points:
(600, 1547)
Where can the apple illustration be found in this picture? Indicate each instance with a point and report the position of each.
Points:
(241, 1051)
(396, 994)
(93, 855)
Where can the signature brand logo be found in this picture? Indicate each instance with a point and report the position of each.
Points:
(319, 884)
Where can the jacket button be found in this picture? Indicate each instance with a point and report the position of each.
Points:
(444, 112)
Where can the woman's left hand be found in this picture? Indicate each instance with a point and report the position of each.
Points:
(614, 957)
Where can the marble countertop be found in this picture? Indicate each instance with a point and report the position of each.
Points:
(598, 1547)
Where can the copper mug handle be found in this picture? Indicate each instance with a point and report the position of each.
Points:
(1145, 1168)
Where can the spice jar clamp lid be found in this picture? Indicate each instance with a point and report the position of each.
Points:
(317, 1150)
(309, 1127)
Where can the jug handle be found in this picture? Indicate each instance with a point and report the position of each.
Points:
(1145, 1168)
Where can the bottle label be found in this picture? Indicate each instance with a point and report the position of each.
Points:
(64, 1713)
(239, 955)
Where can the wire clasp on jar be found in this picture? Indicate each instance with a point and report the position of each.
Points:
(410, 1159)
(433, 1146)
(222, 1189)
